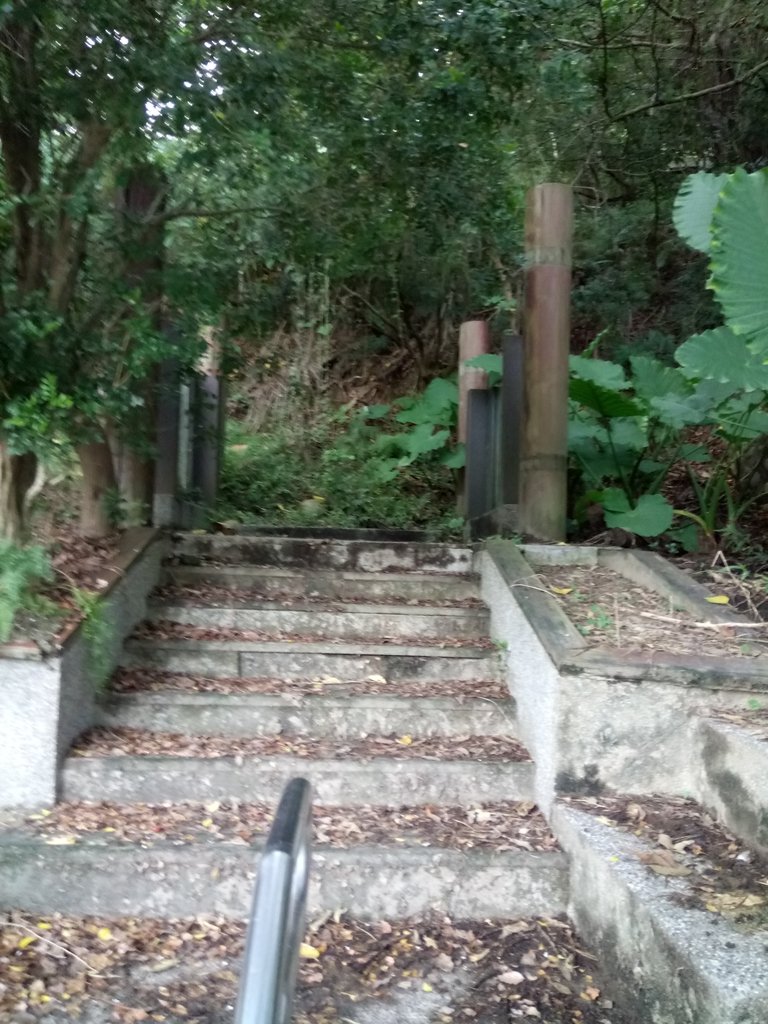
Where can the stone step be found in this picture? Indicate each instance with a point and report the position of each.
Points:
(671, 958)
(432, 588)
(134, 767)
(337, 555)
(172, 880)
(317, 715)
(731, 767)
(301, 660)
(350, 622)
(71, 869)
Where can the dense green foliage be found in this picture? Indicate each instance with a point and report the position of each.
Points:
(21, 569)
(338, 186)
(629, 431)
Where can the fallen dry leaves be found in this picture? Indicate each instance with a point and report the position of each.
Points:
(163, 629)
(611, 611)
(723, 874)
(127, 971)
(515, 825)
(157, 681)
(136, 742)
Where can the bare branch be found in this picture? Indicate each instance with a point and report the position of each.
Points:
(687, 96)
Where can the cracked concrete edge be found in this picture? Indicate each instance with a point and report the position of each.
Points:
(667, 964)
(557, 634)
(391, 782)
(301, 552)
(372, 882)
(731, 778)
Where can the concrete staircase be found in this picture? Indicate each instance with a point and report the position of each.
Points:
(368, 668)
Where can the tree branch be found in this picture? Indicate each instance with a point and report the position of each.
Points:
(686, 96)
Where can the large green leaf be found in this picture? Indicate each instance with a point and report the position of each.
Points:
(600, 371)
(607, 404)
(723, 356)
(739, 263)
(694, 205)
(652, 379)
(678, 411)
(651, 515)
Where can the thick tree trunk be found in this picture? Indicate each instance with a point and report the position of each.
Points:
(17, 473)
(98, 480)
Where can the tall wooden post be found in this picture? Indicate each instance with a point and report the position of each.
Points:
(548, 232)
(208, 438)
(474, 340)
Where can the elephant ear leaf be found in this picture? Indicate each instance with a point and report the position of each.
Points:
(739, 263)
(694, 206)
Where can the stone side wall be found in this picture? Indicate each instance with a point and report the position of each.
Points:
(45, 702)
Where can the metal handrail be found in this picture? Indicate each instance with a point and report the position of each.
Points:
(277, 917)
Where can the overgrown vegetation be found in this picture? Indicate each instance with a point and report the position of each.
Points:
(22, 569)
(334, 188)
(375, 466)
(629, 430)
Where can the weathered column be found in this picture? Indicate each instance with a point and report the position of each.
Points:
(209, 428)
(543, 468)
(512, 401)
(474, 340)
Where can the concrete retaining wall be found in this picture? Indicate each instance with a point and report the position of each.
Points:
(596, 718)
(47, 700)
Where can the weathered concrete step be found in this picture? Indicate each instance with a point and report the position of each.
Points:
(732, 775)
(351, 623)
(333, 586)
(284, 660)
(174, 880)
(669, 963)
(214, 714)
(303, 553)
(387, 781)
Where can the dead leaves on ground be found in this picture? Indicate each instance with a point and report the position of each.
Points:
(128, 742)
(723, 875)
(164, 629)
(173, 971)
(293, 690)
(514, 825)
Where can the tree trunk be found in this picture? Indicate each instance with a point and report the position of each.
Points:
(17, 472)
(98, 480)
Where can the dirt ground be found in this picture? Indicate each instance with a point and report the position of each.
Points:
(609, 610)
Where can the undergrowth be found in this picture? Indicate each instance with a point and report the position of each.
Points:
(332, 471)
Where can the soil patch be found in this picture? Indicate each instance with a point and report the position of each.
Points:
(79, 563)
(127, 971)
(723, 874)
(489, 826)
(162, 629)
(611, 611)
(137, 742)
(157, 681)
